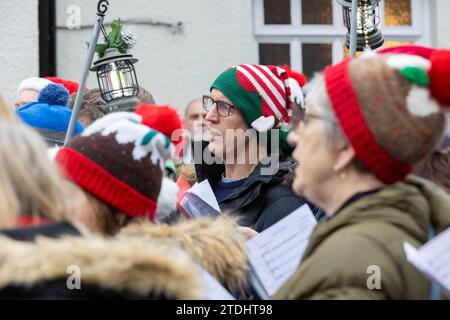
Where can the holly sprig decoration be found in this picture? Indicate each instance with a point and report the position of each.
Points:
(122, 40)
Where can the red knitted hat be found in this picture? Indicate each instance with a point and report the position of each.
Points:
(262, 94)
(120, 161)
(389, 107)
(71, 86)
(161, 118)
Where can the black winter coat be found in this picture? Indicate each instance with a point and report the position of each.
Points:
(262, 200)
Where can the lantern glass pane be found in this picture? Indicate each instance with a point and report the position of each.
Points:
(274, 54)
(317, 12)
(277, 11)
(372, 21)
(315, 57)
(128, 78)
(397, 13)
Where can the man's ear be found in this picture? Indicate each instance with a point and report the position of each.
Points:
(345, 157)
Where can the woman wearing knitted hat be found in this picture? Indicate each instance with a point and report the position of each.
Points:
(118, 163)
(247, 110)
(114, 167)
(367, 121)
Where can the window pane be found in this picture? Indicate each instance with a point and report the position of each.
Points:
(316, 56)
(277, 12)
(388, 44)
(317, 12)
(347, 52)
(397, 12)
(274, 54)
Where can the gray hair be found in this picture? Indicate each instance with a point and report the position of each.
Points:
(317, 99)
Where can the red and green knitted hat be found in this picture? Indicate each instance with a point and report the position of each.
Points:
(120, 161)
(390, 106)
(262, 93)
(162, 118)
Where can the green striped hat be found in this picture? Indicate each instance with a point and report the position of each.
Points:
(262, 94)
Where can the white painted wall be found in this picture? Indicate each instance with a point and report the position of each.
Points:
(175, 68)
(19, 52)
(443, 23)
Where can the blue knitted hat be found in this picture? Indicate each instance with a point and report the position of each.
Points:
(49, 114)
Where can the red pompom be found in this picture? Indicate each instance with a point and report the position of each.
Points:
(161, 118)
(440, 76)
(299, 77)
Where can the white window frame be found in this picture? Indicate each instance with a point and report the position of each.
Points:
(295, 34)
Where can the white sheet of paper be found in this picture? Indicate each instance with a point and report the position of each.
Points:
(204, 191)
(433, 258)
(276, 253)
(212, 288)
(200, 201)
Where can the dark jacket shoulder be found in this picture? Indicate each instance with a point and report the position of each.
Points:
(263, 199)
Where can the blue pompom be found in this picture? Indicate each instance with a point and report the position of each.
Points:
(54, 94)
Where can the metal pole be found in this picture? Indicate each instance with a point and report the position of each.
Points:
(102, 7)
(354, 28)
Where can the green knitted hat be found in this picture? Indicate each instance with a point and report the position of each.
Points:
(262, 94)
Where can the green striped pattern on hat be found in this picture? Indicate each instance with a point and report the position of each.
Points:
(249, 103)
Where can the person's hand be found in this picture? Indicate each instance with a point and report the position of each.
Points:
(248, 233)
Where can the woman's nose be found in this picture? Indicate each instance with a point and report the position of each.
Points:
(292, 138)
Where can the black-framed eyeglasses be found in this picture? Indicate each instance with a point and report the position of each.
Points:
(223, 108)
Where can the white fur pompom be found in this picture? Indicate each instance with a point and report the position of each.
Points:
(263, 124)
(420, 103)
(167, 200)
(401, 61)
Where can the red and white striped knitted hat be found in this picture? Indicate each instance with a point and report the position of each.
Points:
(262, 94)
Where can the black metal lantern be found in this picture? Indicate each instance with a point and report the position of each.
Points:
(117, 80)
(368, 21)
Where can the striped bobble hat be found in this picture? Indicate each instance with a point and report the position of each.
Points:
(262, 94)
(120, 161)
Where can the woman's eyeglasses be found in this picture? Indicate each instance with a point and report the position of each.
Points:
(223, 108)
(299, 116)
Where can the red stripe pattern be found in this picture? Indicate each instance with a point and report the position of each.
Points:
(258, 79)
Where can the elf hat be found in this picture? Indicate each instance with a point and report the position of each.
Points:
(390, 107)
(262, 94)
(120, 161)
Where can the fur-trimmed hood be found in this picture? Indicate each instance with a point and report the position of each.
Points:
(215, 244)
(132, 265)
